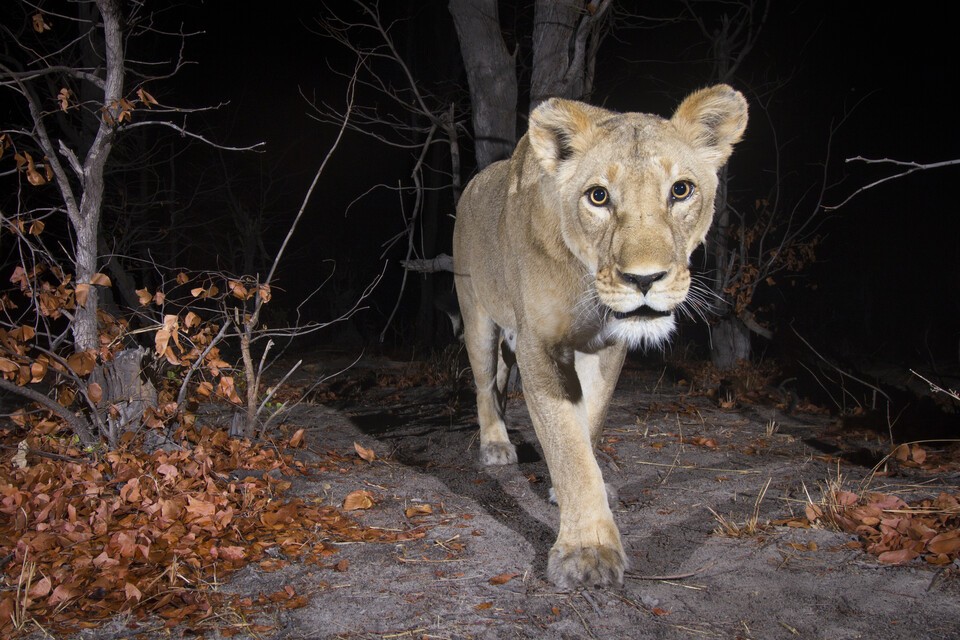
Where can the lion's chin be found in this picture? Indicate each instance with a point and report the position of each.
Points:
(641, 330)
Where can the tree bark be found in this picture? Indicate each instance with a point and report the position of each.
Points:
(492, 77)
(566, 36)
(729, 342)
(730, 336)
(85, 219)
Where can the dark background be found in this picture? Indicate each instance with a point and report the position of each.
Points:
(886, 278)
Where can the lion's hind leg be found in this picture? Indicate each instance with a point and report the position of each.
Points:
(482, 339)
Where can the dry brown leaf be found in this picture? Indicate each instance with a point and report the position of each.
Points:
(167, 331)
(171, 357)
(700, 441)
(227, 389)
(204, 292)
(418, 510)
(131, 591)
(37, 371)
(82, 363)
(233, 552)
(296, 440)
(846, 498)
(900, 556)
(95, 392)
(82, 292)
(62, 593)
(363, 452)
(168, 471)
(143, 296)
(272, 564)
(947, 542)
(483, 606)
(918, 453)
(293, 603)
(23, 333)
(63, 97)
(237, 289)
(503, 578)
(40, 589)
(39, 24)
(146, 98)
(938, 559)
(357, 500)
(886, 502)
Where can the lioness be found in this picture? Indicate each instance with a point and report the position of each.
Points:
(570, 252)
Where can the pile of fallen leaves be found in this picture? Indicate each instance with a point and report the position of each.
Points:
(82, 540)
(893, 530)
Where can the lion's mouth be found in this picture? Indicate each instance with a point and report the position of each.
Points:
(643, 312)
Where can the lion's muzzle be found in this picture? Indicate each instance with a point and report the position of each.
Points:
(643, 282)
(643, 312)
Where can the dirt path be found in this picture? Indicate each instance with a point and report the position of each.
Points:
(683, 467)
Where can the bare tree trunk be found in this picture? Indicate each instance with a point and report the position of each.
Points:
(729, 336)
(729, 342)
(731, 40)
(492, 76)
(566, 36)
(85, 218)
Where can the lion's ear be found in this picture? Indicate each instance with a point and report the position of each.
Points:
(559, 129)
(712, 120)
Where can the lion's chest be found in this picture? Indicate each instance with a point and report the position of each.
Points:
(576, 322)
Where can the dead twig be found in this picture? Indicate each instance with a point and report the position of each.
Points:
(677, 576)
(874, 388)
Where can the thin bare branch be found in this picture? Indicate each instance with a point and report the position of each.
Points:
(912, 167)
(190, 134)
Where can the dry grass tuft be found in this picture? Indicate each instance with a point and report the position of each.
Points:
(752, 527)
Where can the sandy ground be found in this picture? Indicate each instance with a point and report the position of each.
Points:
(681, 465)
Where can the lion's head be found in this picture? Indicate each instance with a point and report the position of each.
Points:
(635, 196)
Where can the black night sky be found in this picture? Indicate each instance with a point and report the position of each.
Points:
(885, 284)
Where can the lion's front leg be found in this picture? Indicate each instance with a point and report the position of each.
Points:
(588, 550)
(598, 374)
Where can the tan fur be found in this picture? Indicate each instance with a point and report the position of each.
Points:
(537, 264)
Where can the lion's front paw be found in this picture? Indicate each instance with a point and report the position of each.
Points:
(570, 567)
(498, 453)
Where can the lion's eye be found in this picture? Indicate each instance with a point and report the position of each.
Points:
(598, 196)
(681, 190)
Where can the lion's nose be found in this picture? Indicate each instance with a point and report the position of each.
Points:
(643, 282)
